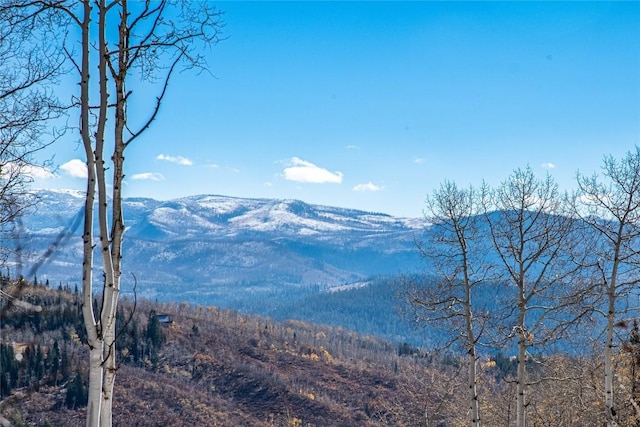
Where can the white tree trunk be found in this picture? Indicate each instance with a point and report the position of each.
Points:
(473, 389)
(109, 373)
(94, 403)
(521, 403)
(94, 339)
(611, 318)
(474, 404)
(608, 374)
(107, 312)
(608, 357)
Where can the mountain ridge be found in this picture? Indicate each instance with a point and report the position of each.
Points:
(214, 244)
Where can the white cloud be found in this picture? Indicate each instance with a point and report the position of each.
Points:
(38, 172)
(303, 171)
(418, 160)
(370, 186)
(148, 176)
(548, 165)
(75, 168)
(352, 147)
(175, 159)
(33, 171)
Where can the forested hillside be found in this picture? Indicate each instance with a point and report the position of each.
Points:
(186, 365)
(369, 307)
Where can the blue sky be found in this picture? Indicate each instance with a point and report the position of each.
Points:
(372, 105)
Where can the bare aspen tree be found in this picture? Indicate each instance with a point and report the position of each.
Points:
(610, 206)
(532, 238)
(125, 44)
(456, 258)
(29, 65)
(146, 35)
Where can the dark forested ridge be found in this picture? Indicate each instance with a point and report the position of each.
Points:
(369, 307)
(182, 365)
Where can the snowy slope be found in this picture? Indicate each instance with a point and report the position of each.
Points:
(199, 244)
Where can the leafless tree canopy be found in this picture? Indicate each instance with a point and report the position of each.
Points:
(610, 207)
(30, 64)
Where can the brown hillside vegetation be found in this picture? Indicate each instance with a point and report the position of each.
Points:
(211, 367)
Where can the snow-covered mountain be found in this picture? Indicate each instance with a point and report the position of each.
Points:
(206, 246)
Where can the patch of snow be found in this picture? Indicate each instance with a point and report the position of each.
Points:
(268, 218)
(220, 204)
(73, 193)
(133, 204)
(347, 287)
(181, 219)
(308, 232)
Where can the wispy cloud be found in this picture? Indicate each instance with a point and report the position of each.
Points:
(548, 165)
(304, 171)
(148, 176)
(370, 186)
(418, 160)
(75, 168)
(352, 147)
(175, 159)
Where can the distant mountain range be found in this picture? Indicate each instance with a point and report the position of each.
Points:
(208, 248)
(279, 258)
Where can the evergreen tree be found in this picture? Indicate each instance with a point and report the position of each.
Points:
(76, 393)
(38, 366)
(8, 370)
(154, 335)
(64, 362)
(135, 341)
(53, 361)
